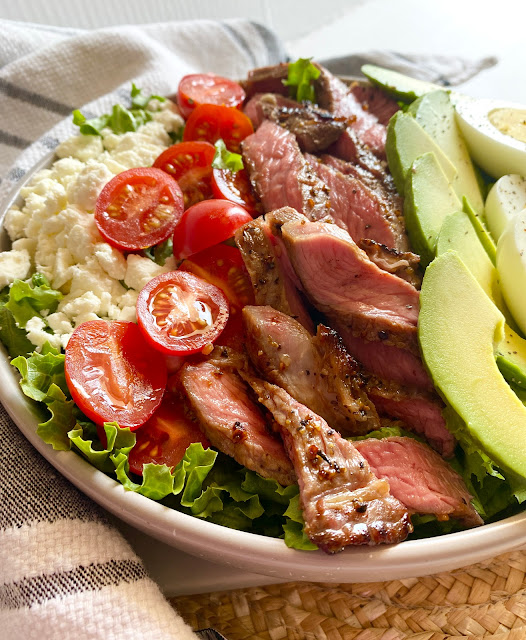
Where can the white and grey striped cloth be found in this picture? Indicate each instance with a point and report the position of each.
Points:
(65, 572)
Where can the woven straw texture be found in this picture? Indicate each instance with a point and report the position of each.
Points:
(485, 600)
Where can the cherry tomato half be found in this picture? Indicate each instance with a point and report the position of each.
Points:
(234, 186)
(211, 122)
(138, 208)
(207, 88)
(113, 374)
(223, 266)
(205, 224)
(180, 314)
(190, 163)
(164, 438)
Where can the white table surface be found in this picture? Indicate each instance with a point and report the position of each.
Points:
(471, 28)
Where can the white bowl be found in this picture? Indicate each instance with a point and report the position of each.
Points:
(250, 552)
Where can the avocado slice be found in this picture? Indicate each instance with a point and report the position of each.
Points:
(457, 327)
(436, 114)
(405, 141)
(480, 228)
(429, 200)
(397, 84)
(458, 234)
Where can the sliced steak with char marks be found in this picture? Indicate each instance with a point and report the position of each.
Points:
(315, 370)
(342, 283)
(420, 411)
(388, 362)
(267, 80)
(357, 209)
(419, 478)
(337, 97)
(343, 502)
(403, 264)
(315, 129)
(375, 101)
(274, 281)
(280, 174)
(382, 185)
(232, 421)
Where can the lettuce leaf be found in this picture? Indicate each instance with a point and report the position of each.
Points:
(85, 439)
(40, 371)
(294, 527)
(55, 430)
(300, 79)
(225, 159)
(120, 120)
(27, 299)
(12, 336)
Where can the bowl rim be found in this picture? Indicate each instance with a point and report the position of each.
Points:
(248, 551)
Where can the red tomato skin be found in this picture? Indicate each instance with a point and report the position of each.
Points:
(223, 266)
(211, 122)
(144, 219)
(190, 163)
(205, 224)
(166, 435)
(132, 377)
(158, 332)
(208, 88)
(234, 187)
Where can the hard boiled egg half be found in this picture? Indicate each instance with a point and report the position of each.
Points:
(511, 265)
(495, 133)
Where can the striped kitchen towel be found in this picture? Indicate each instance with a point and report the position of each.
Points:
(65, 571)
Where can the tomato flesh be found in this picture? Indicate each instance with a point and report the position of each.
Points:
(180, 314)
(234, 186)
(164, 438)
(207, 88)
(211, 122)
(224, 267)
(205, 224)
(138, 208)
(190, 163)
(113, 374)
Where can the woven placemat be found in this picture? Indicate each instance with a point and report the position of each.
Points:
(485, 600)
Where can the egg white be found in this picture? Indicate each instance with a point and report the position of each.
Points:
(507, 197)
(511, 265)
(496, 153)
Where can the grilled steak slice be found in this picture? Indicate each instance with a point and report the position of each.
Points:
(419, 478)
(279, 173)
(357, 209)
(420, 411)
(388, 362)
(316, 371)
(267, 80)
(380, 183)
(337, 97)
(232, 421)
(343, 502)
(348, 288)
(315, 129)
(403, 264)
(375, 101)
(273, 278)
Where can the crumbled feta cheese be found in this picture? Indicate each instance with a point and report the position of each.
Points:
(15, 222)
(62, 268)
(87, 303)
(37, 335)
(111, 260)
(140, 271)
(82, 147)
(29, 244)
(170, 120)
(127, 314)
(14, 265)
(88, 184)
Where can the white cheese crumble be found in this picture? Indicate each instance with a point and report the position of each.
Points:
(54, 232)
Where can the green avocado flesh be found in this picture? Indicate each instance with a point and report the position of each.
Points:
(429, 199)
(458, 234)
(397, 84)
(480, 228)
(457, 328)
(436, 114)
(405, 141)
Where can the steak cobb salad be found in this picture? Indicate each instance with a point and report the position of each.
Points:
(237, 302)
